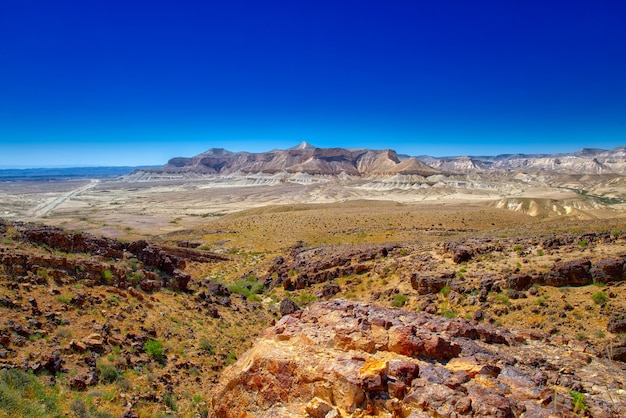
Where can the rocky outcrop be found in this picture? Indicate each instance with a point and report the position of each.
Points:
(305, 267)
(153, 267)
(343, 358)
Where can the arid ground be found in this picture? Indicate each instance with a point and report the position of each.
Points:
(314, 225)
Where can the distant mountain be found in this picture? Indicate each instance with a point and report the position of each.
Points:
(303, 158)
(585, 161)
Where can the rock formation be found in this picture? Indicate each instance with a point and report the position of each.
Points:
(343, 358)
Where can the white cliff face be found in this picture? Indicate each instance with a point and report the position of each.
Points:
(586, 161)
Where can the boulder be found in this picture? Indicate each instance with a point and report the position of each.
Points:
(426, 284)
(608, 270)
(288, 306)
(569, 273)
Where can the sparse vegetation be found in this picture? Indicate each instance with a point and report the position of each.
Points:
(399, 300)
(599, 297)
(22, 395)
(249, 286)
(154, 349)
(579, 401)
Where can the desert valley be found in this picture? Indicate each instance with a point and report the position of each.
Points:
(317, 282)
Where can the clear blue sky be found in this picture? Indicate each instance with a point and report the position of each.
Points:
(111, 82)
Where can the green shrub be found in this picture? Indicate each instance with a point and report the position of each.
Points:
(583, 243)
(399, 300)
(107, 275)
(445, 290)
(109, 373)
(65, 299)
(504, 299)
(449, 314)
(305, 299)
(579, 401)
(232, 357)
(249, 286)
(154, 349)
(599, 297)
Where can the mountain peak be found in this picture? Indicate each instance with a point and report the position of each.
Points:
(303, 145)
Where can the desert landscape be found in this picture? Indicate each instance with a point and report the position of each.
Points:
(318, 282)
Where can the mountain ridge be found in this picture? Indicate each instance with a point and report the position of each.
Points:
(308, 159)
(303, 158)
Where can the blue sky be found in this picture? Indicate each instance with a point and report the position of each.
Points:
(108, 82)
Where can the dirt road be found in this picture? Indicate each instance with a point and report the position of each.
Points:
(47, 207)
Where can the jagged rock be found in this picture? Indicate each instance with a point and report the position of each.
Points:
(321, 264)
(570, 273)
(317, 408)
(54, 363)
(351, 357)
(78, 346)
(288, 306)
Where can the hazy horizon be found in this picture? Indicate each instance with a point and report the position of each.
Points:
(130, 84)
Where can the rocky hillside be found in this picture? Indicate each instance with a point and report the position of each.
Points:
(303, 158)
(343, 358)
(483, 324)
(587, 161)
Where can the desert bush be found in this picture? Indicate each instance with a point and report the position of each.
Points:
(154, 349)
(399, 300)
(504, 299)
(79, 409)
(109, 373)
(107, 275)
(170, 401)
(232, 357)
(249, 286)
(599, 297)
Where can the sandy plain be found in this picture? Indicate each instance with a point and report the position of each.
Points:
(131, 209)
